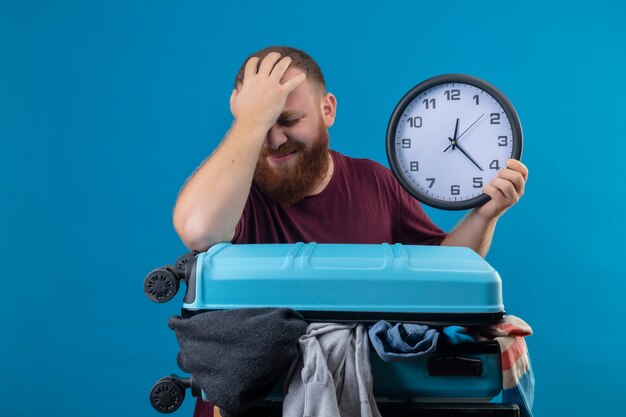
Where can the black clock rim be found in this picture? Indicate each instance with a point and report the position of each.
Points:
(504, 102)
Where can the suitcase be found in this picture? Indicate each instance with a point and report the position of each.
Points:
(431, 285)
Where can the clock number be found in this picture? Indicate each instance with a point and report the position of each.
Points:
(415, 121)
(478, 182)
(406, 143)
(495, 118)
(494, 164)
(453, 94)
(455, 189)
(428, 102)
(415, 166)
(476, 99)
(432, 182)
(503, 141)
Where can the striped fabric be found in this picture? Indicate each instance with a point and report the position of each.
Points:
(518, 380)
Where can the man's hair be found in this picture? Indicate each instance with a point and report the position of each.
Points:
(299, 59)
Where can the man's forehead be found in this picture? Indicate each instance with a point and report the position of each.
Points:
(296, 106)
(287, 113)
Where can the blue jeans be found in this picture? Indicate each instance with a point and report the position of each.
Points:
(402, 341)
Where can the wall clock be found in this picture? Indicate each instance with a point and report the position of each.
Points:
(448, 137)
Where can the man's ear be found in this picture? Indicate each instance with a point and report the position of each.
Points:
(328, 107)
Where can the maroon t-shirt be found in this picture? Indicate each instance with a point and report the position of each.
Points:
(362, 203)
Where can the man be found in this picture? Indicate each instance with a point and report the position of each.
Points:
(273, 178)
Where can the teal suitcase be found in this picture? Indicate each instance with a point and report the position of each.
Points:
(431, 285)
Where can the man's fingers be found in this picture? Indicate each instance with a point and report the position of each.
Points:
(516, 165)
(293, 83)
(515, 177)
(506, 187)
(251, 67)
(280, 68)
(268, 63)
(493, 192)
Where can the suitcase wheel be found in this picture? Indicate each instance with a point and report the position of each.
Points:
(167, 395)
(161, 285)
(184, 260)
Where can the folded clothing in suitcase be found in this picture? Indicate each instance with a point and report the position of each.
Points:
(340, 282)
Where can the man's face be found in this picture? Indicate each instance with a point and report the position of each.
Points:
(294, 157)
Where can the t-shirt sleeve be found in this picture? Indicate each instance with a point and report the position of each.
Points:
(412, 224)
(238, 229)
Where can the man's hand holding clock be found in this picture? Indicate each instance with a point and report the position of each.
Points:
(505, 189)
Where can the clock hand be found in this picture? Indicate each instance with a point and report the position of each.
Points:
(465, 153)
(470, 126)
(456, 128)
(459, 137)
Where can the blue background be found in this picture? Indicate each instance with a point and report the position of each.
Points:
(106, 108)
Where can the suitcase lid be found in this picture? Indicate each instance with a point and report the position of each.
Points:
(358, 281)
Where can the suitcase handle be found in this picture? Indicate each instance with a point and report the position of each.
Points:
(455, 366)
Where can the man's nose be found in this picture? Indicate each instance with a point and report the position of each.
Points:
(275, 137)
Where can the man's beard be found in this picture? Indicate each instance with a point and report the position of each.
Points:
(289, 184)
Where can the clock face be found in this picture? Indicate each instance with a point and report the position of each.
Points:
(448, 137)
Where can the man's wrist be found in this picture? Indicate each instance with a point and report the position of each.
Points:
(483, 218)
(250, 128)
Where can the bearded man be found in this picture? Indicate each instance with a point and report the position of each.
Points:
(273, 179)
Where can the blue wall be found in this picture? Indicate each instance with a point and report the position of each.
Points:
(106, 107)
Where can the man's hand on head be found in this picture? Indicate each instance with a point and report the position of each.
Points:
(261, 98)
(505, 190)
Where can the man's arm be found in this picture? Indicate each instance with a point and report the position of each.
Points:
(212, 201)
(476, 229)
